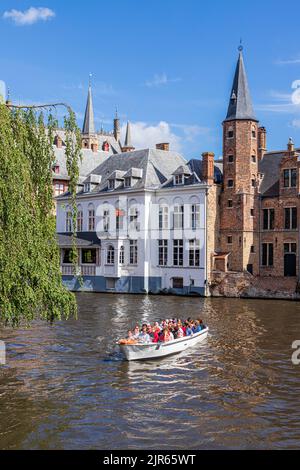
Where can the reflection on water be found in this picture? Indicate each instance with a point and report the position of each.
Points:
(67, 386)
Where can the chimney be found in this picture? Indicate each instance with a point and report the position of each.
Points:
(58, 141)
(291, 146)
(262, 142)
(94, 147)
(163, 146)
(208, 167)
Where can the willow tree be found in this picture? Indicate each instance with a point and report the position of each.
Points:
(30, 279)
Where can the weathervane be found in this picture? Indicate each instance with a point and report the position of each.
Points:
(240, 48)
(90, 78)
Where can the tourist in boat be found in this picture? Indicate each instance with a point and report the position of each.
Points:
(197, 328)
(189, 330)
(202, 324)
(144, 336)
(136, 332)
(179, 332)
(166, 335)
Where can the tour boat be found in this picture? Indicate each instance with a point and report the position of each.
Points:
(142, 351)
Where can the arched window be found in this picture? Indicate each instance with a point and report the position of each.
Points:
(134, 219)
(110, 255)
(79, 219)
(91, 218)
(163, 217)
(122, 255)
(68, 220)
(119, 216)
(106, 220)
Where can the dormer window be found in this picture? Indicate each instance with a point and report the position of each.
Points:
(111, 184)
(127, 182)
(87, 187)
(178, 179)
(56, 169)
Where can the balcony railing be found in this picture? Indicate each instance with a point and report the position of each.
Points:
(86, 270)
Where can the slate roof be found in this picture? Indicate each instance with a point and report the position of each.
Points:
(196, 166)
(89, 161)
(157, 167)
(240, 104)
(83, 239)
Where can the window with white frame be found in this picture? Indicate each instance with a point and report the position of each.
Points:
(68, 221)
(119, 219)
(179, 179)
(91, 219)
(111, 184)
(163, 217)
(162, 252)
(79, 220)
(110, 259)
(194, 253)
(133, 252)
(59, 189)
(127, 182)
(290, 218)
(133, 219)
(106, 220)
(290, 178)
(178, 252)
(178, 216)
(122, 255)
(195, 216)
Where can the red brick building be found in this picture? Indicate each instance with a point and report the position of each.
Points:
(259, 199)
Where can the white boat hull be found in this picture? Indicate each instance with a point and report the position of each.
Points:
(135, 352)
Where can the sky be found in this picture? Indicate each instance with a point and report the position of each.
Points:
(167, 65)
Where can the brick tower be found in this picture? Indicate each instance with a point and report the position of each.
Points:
(239, 214)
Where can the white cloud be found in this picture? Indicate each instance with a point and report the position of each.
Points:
(288, 62)
(30, 16)
(296, 123)
(181, 137)
(161, 79)
(285, 102)
(147, 136)
(191, 131)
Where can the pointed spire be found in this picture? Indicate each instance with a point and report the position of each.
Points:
(88, 124)
(117, 130)
(128, 136)
(240, 104)
(128, 147)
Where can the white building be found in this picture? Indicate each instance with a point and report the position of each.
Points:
(141, 225)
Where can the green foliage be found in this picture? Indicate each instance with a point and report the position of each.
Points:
(30, 279)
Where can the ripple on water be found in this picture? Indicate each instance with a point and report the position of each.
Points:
(67, 385)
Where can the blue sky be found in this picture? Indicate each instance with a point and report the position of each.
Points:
(167, 64)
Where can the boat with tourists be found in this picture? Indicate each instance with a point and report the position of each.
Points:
(162, 339)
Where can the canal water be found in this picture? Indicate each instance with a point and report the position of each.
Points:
(66, 386)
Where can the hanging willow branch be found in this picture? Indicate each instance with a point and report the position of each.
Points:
(30, 279)
(40, 106)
